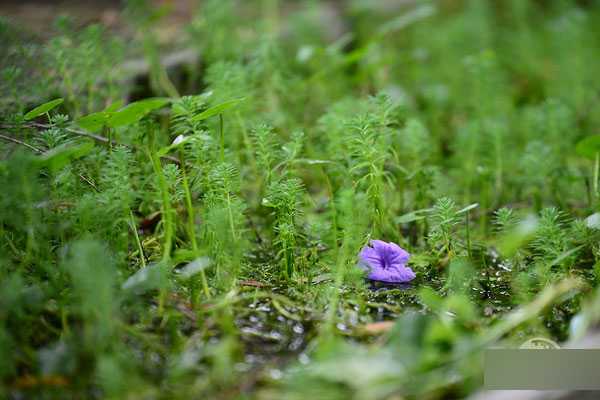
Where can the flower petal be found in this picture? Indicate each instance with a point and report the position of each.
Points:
(397, 254)
(385, 262)
(392, 275)
(379, 245)
(371, 257)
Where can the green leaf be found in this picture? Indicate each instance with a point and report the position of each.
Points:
(406, 19)
(565, 254)
(60, 156)
(196, 266)
(468, 208)
(412, 216)
(218, 109)
(593, 221)
(154, 276)
(522, 234)
(266, 202)
(133, 112)
(430, 298)
(42, 109)
(179, 141)
(95, 121)
(114, 106)
(309, 161)
(588, 147)
(407, 335)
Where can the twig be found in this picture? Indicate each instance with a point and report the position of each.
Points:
(17, 141)
(89, 182)
(78, 132)
(74, 131)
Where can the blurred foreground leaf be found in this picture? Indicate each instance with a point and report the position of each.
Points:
(588, 147)
(518, 237)
(58, 157)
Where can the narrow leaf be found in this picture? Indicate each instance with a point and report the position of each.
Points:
(412, 216)
(95, 121)
(468, 208)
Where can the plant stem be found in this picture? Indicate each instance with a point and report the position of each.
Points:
(596, 172)
(167, 216)
(334, 225)
(222, 137)
(230, 213)
(190, 222)
(164, 191)
(468, 228)
(248, 143)
(335, 298)
(137, 239)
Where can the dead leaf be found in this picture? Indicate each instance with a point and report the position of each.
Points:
(377, 328)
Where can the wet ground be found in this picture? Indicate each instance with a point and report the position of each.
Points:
(276, 334)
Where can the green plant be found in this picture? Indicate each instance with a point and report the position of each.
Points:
(212, 245)
(284, 197)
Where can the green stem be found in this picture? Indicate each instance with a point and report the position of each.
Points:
(29, 221)
(231, 222)
(468, 228)
(248, 143)
(334, 224)
(137, 239)
(222, 137)
(190, 221)
(164, 191)
(596, 172)
(335, 298)
(167, 218)
(110, 138)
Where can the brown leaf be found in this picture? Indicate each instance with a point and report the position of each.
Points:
(252, 282)
(377, 328)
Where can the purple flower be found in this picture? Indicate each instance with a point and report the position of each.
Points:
(386, 262)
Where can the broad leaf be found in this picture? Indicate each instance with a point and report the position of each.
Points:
(218, 109)
(114, 106)
(42, 109)
(95, 121)
(133, 112)
(588, 147)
